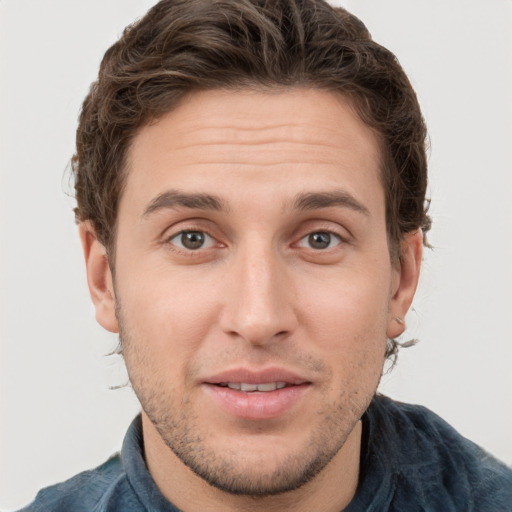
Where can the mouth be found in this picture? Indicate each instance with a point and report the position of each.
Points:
(263, 381)
(251, 388)
(257, 395)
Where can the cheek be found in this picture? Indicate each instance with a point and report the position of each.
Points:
(350, 309)
(346, 321)
(167, 315)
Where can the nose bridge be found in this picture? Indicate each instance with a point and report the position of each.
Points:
(258, 309)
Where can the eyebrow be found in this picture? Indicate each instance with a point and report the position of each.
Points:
(174, 198)
(318, 200)
(201, 201)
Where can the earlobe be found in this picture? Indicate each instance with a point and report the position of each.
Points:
(408, 274)
(99, 278)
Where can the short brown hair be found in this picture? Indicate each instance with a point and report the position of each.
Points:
(181, 46)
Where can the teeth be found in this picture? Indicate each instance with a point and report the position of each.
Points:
(267, 386)
(249, 387)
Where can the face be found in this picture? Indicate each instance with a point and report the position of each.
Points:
(253, 284)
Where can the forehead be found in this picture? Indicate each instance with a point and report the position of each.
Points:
(252, 141)
(303, 115)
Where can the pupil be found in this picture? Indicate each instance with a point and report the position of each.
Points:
(192, 239)
(319, 240)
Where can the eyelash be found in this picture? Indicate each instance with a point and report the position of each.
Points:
(330, 234)
(180, 247)
(183, 232)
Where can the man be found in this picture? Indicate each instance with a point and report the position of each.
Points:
(250, 183)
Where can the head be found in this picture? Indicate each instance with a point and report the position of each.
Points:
(250, 180)
(181, 47)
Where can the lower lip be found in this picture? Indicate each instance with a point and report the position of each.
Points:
(257, 405)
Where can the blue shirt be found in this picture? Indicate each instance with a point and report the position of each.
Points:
(411, 460)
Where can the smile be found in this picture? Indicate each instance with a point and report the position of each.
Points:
(257, 395)
(248, 388)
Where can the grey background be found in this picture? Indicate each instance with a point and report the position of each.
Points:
(58, 415)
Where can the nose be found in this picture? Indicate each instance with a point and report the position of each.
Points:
(259, 304)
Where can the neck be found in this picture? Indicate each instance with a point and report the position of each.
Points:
(330, 491)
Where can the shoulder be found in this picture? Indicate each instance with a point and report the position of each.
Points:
(100, 489)
(432, 458)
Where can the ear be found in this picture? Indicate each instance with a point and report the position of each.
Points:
(405, 281)
(99, 278)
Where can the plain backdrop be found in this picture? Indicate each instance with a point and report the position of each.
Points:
(58, 415)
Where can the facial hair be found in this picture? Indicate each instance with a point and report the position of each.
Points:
(180, 428)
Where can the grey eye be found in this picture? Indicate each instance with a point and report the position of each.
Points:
(319, 240)
(192, 240)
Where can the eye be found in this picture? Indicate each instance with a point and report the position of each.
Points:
(320, 240)
(192, 240)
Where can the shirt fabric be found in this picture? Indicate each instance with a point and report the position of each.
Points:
(411, 460)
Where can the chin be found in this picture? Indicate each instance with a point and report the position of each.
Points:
(252, 463)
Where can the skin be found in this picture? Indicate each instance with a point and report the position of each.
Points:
(259, 293)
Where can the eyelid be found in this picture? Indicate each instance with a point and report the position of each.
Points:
(329, 232)
(181, 247)
(179, 226)
(325, 225)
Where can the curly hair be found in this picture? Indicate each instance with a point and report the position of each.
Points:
(182, 46)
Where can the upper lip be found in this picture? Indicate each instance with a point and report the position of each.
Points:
(248, 376)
